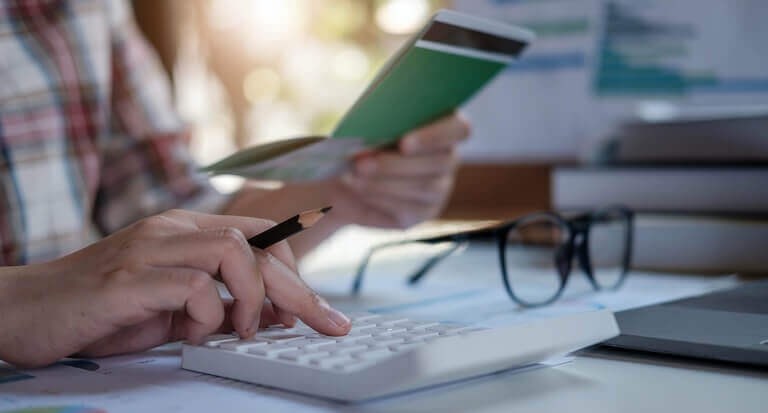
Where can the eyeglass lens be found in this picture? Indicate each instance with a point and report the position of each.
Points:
(607, 246)
(531, 257)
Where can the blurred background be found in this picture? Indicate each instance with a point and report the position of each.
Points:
(250, 71)
(659, 105)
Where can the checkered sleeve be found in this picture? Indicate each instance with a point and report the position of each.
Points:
(146, 165)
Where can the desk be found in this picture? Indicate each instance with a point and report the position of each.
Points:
(599, 384)
(590, 383)
(594, 381)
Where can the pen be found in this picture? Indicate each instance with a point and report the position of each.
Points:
(285, 229)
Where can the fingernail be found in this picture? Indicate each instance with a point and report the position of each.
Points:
(337, 317)
(366, 166)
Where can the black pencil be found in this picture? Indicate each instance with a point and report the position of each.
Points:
(285, 229)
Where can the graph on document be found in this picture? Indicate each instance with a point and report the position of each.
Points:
(680, 48)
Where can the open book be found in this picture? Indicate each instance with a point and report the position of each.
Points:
(436, 71)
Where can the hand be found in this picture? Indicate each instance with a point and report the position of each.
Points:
(403, 187)
(152, 283)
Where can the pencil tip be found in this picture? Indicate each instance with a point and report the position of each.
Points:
(309, 218)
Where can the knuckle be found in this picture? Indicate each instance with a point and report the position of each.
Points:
(260, 224)
(233, 240)
(267, 223)
(118, 278)
(312, 302)
(267, 258)
(199, 280)
(231, 235)
(150, 225)
(175, 212)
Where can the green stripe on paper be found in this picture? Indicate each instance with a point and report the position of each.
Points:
(424, 86)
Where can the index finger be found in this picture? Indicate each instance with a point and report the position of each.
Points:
(249, 226)
(439, 136)
(289, 292)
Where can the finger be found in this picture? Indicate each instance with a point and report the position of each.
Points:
(221, 251)
(159, 293)
(393, 164)
(203, 315)
(288, 292)
(272, 315)
(420, 190)
(226, 325)
(187, 289)
(268, 315)
(249, 226)
(285, 318)
(440, 135)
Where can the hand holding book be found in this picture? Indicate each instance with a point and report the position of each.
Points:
(407, 185)
(440, 68)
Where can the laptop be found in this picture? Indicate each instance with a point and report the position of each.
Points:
(729, 325)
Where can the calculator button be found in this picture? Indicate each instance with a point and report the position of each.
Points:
(372, 354)
(332, 361)
(215, 340)
(242, 345)
(301, 356)
(271, 350)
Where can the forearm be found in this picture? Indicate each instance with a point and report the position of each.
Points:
(280, 204)
(24, 318)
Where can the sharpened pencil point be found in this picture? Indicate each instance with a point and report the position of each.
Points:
(326, 209)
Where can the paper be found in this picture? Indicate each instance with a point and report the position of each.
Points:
(598, 63)
(320, 160)
(541, 106)
(154, 381)
(149, 382)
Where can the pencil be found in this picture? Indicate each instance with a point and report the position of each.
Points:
(285, 229)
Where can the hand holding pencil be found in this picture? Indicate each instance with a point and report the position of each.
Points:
(287, 228)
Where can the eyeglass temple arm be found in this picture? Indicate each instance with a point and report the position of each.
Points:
(460, 239)
(357, 284)
(421, 272)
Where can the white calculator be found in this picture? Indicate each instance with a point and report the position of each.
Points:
(385, 354)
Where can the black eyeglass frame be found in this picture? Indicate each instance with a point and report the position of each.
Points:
(576, 245)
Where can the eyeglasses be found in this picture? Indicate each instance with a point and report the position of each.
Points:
(537, 252)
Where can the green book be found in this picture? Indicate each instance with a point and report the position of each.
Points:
(441, 67)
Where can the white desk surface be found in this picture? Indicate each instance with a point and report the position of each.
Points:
(597, 384)
(596, 381)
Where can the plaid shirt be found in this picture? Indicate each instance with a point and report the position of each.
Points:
(89, 141)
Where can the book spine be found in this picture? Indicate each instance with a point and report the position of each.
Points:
(700, 245)
(709, 190)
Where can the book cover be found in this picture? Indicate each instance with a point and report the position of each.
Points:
(453, 57)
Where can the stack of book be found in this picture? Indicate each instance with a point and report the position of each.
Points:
(700, 187)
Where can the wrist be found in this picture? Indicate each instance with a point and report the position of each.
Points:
(14, 309)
